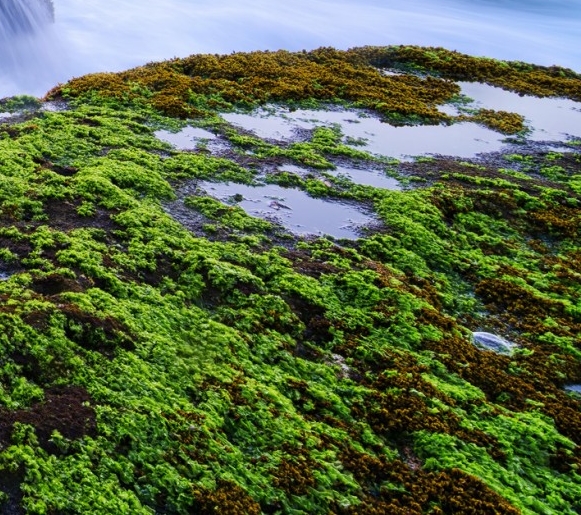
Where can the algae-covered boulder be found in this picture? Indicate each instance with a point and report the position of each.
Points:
(165, 349)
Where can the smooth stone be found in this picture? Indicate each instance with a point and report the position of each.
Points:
(493, 342)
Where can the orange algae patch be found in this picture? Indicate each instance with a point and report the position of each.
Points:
(192, 86)
(184, 87)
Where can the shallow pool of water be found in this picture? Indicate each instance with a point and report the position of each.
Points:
(361, 131)
(367, 177)
(293, 209)
(275, 123)
(193, 138)
(187, 138)
(549, 118)
(364, 176)
(373, 135)
(299, 170)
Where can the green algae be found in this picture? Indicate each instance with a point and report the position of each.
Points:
(242, 376)
(19, 103)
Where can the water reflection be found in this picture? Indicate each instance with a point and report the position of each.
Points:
(367, 177)
(193, 138)
(549, 118)
(186, 139)
(281, 124)
(371, 134)
(293, 209)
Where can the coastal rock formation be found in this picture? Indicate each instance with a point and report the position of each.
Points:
(164, 351)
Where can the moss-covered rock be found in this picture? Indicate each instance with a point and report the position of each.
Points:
(148, 369)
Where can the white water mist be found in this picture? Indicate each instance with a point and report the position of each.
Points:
(111, 35)
(29, 52)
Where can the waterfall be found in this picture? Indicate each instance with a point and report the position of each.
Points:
(28, 50)
(18, 17)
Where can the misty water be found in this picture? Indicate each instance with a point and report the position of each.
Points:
(29, 60)
(111, 35)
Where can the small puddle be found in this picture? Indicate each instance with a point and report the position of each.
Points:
(192, 138)
(367, 177)
(492, 342)
(293, 209)
(576, 388)
(549, 118)
(186, 139)
(268, 124)
(461, 139)
(299, 170)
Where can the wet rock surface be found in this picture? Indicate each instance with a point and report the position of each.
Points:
(492, 342)
(232, 353)
(64, 409)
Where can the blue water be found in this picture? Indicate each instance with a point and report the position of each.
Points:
(111, 35)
